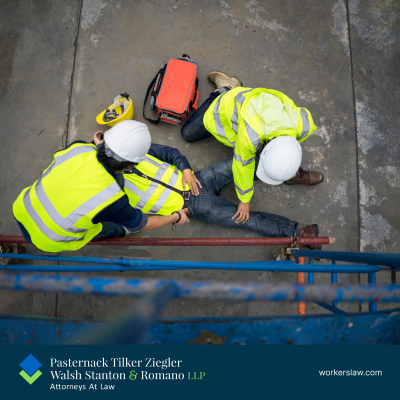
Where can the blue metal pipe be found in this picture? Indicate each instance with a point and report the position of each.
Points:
(372, 280)
(203, 290)
(310, 274)
(145, 263)
(334, 280)
(334, 309)
(155, 265)
(289, 266)
(388, 260)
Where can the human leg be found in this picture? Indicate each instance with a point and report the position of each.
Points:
(216, 210)
(218, 175)
(193, 129)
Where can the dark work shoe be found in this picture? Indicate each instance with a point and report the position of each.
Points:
(310, 231)
(302, 177)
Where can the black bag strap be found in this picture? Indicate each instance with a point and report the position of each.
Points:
(142, 175)
(161, 72)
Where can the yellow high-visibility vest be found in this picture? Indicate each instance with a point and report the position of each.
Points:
(57, 210)
(151, 197)
(246, 119)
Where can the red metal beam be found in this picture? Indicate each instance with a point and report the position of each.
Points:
(192, 241)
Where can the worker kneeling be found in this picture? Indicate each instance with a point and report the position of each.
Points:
(248, 119)
(80, 196)
(163, 183)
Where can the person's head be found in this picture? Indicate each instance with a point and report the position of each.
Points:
(112, 163)
(125, 145)
(279, 160)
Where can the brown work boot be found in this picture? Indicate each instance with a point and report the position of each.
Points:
(219, 79)
(310, 231)
(310, 178)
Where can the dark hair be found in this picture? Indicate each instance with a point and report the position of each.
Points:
(111, 162)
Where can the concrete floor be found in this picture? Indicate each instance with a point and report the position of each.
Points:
(56, 75)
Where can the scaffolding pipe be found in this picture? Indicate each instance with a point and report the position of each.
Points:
(200, 290)
(175, 265)
(121, 264)
(388, 260)
(193, 241)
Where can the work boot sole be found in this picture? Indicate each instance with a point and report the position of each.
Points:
(212, 79)
(312, 184)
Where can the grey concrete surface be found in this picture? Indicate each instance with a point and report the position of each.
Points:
(36, 50)
(375, 35)
(299, 48)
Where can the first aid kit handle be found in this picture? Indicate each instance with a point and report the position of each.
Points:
(153, 121)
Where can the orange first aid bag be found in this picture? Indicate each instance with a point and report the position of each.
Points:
(174, 91)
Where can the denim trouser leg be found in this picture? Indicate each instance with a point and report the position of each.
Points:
(219, 175)
(111, 230)
(194, 129)
(216, 210)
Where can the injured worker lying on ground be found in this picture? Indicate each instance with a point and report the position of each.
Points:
(109, 193)
(203, 202)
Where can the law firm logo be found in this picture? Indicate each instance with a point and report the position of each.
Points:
(30, 369)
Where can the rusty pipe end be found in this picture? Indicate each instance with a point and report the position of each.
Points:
(331, 240)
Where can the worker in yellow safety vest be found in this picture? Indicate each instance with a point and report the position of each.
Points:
(81, 197)
(247, 120)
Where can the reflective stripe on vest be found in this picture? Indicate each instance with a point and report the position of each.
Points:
(145, 196)
(218, 123)
(46, 223)
(244, 162)
(306, 124)
(255, 140)
(239, 98)
(243, 192)
(165, 194)
(41, 225)
(67, 156)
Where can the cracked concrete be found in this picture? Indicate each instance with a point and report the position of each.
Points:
(299, 48)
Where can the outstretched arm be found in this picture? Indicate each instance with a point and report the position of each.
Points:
(243, 168)
(173, 156)
(170, 155)
(159, 221)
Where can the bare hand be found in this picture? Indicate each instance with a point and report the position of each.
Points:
(190, 179)
(184, 218)
(97, 138)
(243, 212)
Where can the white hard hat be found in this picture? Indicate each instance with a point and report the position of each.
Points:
(279, 160)
(128, 141)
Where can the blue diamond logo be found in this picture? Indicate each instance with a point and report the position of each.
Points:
(30, 365)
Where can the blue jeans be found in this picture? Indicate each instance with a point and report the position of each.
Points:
(194, 129)
(217, 210)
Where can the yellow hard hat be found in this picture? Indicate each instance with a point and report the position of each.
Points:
(120, 110)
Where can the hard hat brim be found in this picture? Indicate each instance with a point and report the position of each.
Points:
(127, 115)
(265, 178)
